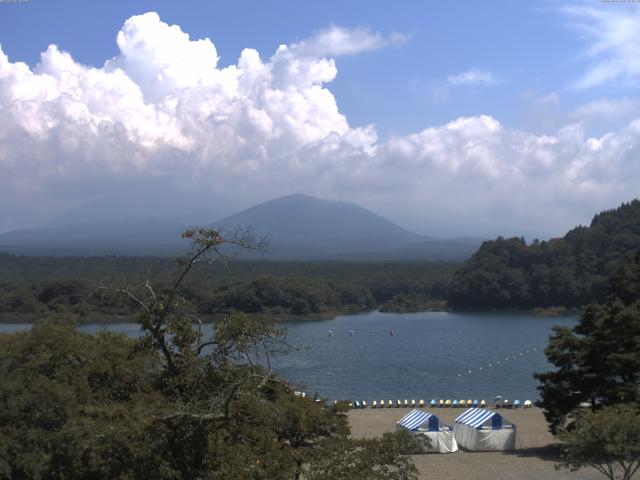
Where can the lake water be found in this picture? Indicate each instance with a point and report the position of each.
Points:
(430, 355)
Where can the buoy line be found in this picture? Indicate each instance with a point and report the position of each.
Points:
(498, 363)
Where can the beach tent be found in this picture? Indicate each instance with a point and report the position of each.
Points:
(482, 430)
(419, 422)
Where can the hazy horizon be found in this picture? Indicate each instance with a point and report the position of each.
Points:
(451, 121)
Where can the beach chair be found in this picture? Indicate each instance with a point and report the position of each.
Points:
(413, 404)
(462, 403)
(350, 404)
(421, 404)
(364, 404)
(483, 404)
(374, 404)
(498, 401)
(516, 403)
(506, 403)
(454, 404)
(390, 404)
(357, 404)
(475, 404)
(469, 403)
(440, 403)
(382, 405)
(406, 403)
(398, 404)
(433, 403)
(447, 403)
(527, 404)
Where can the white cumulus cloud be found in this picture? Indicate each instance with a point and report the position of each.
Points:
(164, 112)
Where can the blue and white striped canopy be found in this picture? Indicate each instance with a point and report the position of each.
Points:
(414, 419)
(474, 417)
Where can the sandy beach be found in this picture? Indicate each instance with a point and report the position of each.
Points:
(535, 456)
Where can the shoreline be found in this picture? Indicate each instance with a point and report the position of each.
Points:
(537, 451)
(106, 319)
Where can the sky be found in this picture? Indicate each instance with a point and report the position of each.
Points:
(450, 118)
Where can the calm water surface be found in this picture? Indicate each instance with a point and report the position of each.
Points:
(429, 355)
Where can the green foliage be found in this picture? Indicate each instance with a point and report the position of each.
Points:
(73, 405)
(607, 440)
(172, 404)
(413, 302)
(569, 271)
(365, 459)
(33, 287)
(597, 361)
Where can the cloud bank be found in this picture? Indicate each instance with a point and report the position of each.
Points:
(163, 110)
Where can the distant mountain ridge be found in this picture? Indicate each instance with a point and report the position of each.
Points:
(568, 271)
(303, 227)
(300, 227)
(299, 217)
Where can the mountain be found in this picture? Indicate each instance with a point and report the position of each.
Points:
(300, 227)
(304, 227)
(569, 271)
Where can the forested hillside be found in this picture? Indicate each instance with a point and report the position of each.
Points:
(32, 288)
(569, 271)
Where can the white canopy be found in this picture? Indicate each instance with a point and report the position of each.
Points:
(482, 430)
(427, 425)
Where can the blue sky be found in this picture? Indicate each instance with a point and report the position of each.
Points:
(549, 91)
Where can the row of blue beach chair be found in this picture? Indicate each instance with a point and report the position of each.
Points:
(438, 404)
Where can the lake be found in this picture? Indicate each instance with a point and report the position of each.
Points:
(430, 354)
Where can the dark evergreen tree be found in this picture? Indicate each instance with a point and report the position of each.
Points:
(597, 361)
(570, 271)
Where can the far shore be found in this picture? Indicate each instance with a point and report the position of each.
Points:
(537, 451)
(286, 318)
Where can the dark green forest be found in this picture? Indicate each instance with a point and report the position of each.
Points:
(35, 287)
(570, 271)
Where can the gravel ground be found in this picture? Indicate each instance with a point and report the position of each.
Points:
(535, 456)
